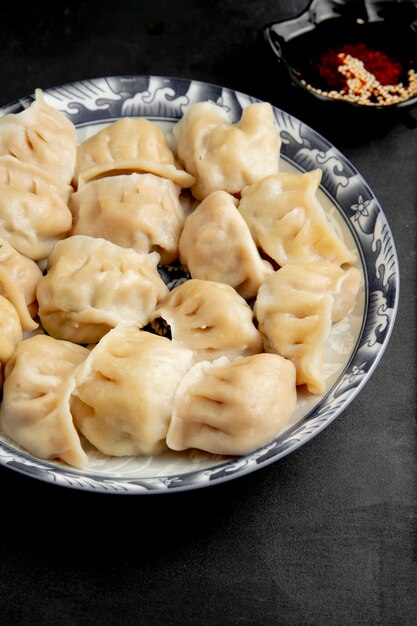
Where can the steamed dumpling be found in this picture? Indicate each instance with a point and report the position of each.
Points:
(26, 175)
(41, 135)
(33, 211)
(320, 278)
(233, 407)
(10, 333)
(288, 222)
(315, 278)
(125, 391)
(216, 245)
(210, 319)
(92, 285)
(19, 277)
(128, 145)
(295, 308)
(139, 211)
(35, 413)
(227, 156)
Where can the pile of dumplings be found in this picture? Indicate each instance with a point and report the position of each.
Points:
(84, 232)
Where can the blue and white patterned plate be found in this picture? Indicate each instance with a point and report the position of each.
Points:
(356, 343)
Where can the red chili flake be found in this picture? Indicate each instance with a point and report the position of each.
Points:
(386, 70)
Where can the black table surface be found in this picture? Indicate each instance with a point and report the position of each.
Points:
(327, 535)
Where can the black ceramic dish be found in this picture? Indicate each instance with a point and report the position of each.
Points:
(388, 26)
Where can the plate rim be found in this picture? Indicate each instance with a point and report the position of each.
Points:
(302, 432)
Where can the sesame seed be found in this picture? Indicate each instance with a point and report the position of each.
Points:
(364, 88)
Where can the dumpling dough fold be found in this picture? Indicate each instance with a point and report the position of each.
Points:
(26, 175)
(126, 146)
(233, 407)
(125, 390)
(226, 156)
(33, 210)
(92, 285)
(139, 211)
(19, 277)
(216, 245)
(10, 333)
(43, 136)
(211, 319)
(295, 308)
(35, 411)
(287, 220)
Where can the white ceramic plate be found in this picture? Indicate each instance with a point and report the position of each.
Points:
(356, 343)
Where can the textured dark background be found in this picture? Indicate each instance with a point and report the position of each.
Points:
(324, 536)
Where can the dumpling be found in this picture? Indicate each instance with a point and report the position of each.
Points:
(210, 319)
(216, 245)
(19, 277)
(124, 391)
(25, 175)
(128, 145)
(322, 278)
(288, 222)
(33, 213)
(233, 407)
(35, 413)
(295, 308)
(92, 285)
(317, 278)
(227, 156)
(43, 136)
(10, 333)
(139, 211)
